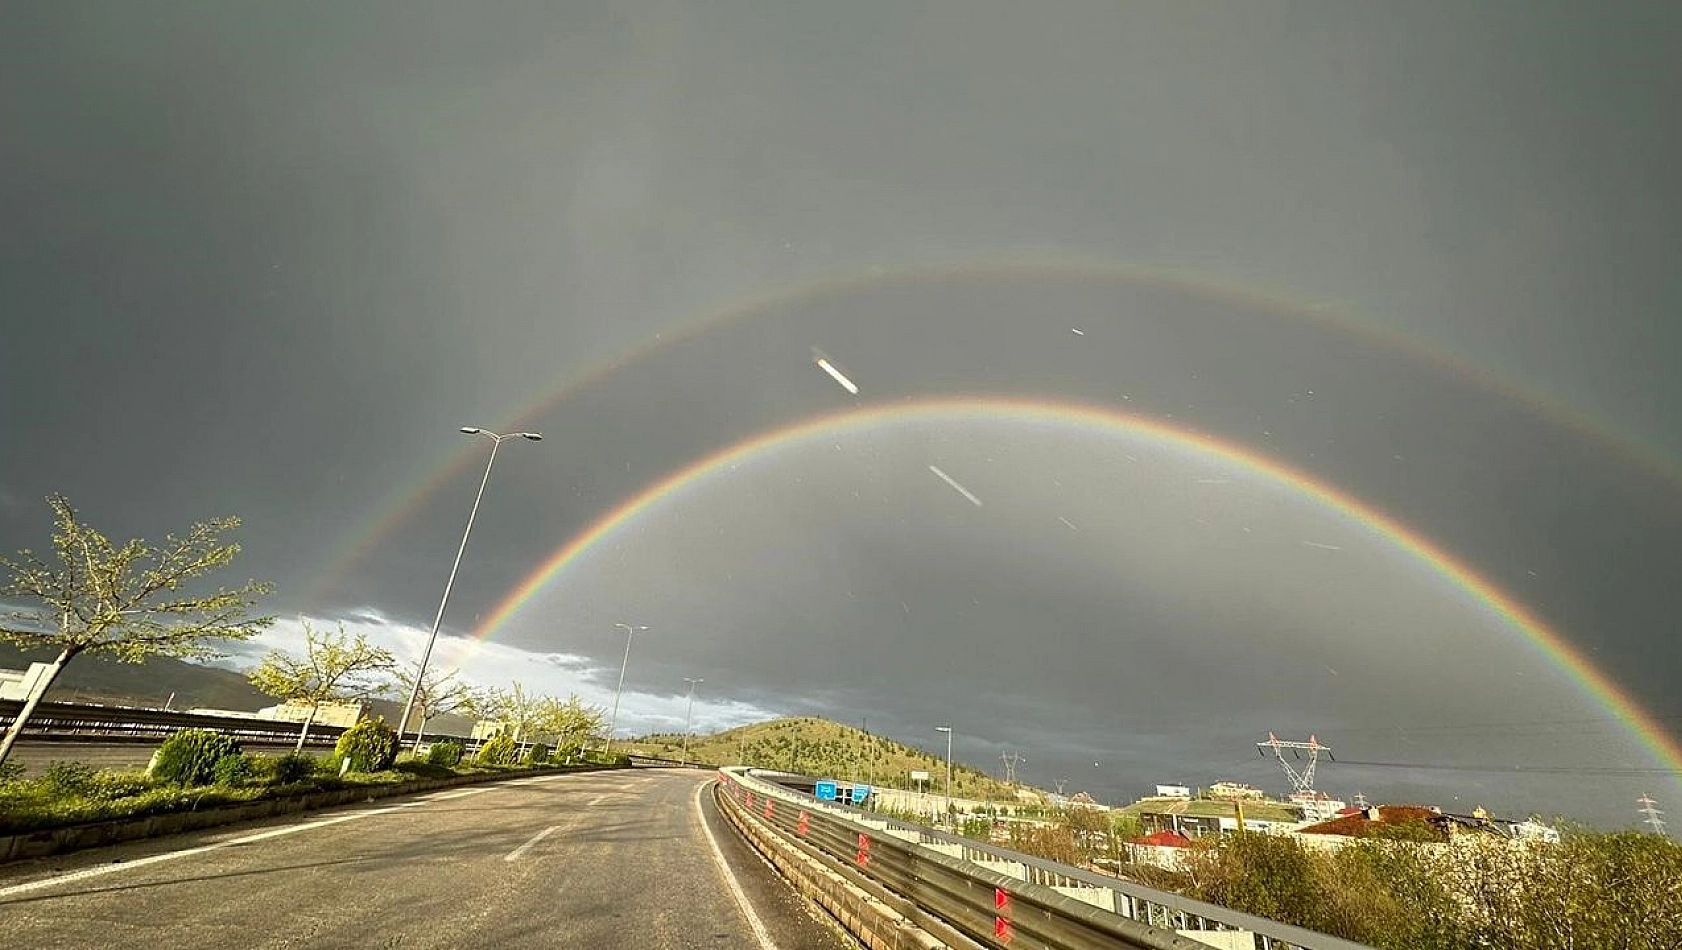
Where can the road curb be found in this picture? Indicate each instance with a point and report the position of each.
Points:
(51, 841)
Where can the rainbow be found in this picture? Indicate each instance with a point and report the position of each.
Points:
(1552, 644)
(451, 462)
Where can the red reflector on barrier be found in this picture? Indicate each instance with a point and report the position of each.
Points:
(1002, 930)
(1001, 900)
(864, 849)
(767, 808)
(805, 822)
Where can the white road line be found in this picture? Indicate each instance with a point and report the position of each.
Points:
(754, 923)
(514, 855)
(104, 869)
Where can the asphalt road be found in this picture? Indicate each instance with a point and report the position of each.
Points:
(594, 859)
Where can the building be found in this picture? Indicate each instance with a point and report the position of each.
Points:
(1198, 817)
(18, 684)
(489, 729)
(1173, 791)
(1235, 791)
(330, 713)
(1163, 849)
(1317, 806)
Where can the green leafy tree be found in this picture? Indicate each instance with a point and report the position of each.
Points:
(333, 666)
(519, 712)
(571, 724)
(132, 600)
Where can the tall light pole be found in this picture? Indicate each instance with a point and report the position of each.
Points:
(613, 724)
(948, 731)
(426, 655)
(688, 712)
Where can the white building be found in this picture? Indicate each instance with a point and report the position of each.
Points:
(327, 714)
(18, 684)
(1173, 791)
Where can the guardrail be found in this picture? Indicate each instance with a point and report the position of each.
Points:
(78, 722)
(83, 723)
(994, 896)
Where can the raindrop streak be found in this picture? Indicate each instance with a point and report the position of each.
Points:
(824, 364)
(959, 488)
(1323, 547)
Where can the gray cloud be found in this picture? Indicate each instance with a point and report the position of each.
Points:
(265, 262)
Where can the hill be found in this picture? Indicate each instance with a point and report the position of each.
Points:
(821, 747)
(100, 679)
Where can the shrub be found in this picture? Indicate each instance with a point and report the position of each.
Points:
(69, 778)
(189, 757)
(10, 771)
(500, 750)
(537, 754)
(447, 754)
(292, 768)
(234, 769)
(370, 746)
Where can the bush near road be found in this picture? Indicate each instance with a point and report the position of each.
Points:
(71, 794)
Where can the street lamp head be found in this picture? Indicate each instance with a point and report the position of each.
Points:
(942, 728)
(532, 436)
(471, 430)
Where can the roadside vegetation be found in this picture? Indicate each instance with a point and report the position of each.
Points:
(194, 770)
(1593, 889)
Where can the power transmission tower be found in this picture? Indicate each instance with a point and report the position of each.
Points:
(1361, 801)
(1011, 761)
(1302, 782)
(1650, 809)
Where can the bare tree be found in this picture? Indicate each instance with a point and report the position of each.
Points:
(440, 694)
(129, 600)
(334, 666)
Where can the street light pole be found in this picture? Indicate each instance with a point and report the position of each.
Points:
(948, 731)
(613, 724)
(426, 655)
(688, 713)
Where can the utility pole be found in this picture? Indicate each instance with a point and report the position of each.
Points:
(1650, 809)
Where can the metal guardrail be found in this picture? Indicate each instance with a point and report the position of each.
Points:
(996, 896)
(73, 722)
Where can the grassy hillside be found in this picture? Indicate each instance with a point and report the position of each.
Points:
(820, 747)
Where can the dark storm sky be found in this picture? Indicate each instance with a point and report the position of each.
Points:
(265, 261)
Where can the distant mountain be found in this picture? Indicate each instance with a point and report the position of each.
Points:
(823, 748)
(92, 678)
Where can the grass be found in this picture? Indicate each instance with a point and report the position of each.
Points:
(67, 793)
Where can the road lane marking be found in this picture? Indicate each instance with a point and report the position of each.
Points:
(104, 869)
(754, 923)
(514, 855)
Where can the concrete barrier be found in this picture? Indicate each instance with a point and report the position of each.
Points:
(50, 841)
